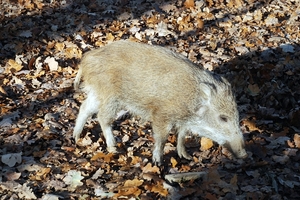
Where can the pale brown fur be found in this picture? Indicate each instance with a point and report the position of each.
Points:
(159, 86)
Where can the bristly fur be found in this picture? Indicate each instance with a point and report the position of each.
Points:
(77, 79)
(161, 86)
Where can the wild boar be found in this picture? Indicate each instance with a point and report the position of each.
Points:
(160, 86)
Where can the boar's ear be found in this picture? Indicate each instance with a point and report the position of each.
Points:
(205, 93)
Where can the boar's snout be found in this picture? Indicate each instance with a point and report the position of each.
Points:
(237, 148)
(241, 154)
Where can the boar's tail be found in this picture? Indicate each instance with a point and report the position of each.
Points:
(77, 79)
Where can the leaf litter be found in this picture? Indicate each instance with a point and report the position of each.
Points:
(255, 44)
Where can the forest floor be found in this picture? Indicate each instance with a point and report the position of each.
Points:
(254, 44)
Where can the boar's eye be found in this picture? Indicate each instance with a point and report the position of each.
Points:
(223, 118)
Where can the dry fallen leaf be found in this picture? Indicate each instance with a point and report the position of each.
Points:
(52, 63)
(12, 159)
(281, 159)
(159, 188)
(271, 20)
(253, 89)
(128, 191)
(189, 3)
(100, 155)
(206, 143)
(13, 66)
(133, 183)
(2, 90)
(110, 37)
(297, 140)
(12, 176)
(149, 169)
(173, 162)
(73, 179)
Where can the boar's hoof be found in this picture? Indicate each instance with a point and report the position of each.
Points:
(112, 150)
(76, 137)
(243, 155)
(185, 155)
(156, 160)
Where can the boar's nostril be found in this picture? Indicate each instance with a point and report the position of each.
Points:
(243, 155)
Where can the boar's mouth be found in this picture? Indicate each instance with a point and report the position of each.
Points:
(238, 153)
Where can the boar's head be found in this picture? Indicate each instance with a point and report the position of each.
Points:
(218, 117)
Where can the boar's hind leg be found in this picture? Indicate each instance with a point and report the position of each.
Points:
(87, 109)
(160, 134)
(180, 145)
(105, 119)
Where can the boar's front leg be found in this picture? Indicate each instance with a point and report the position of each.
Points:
(160, 134)
(180, 145)
(105, 118)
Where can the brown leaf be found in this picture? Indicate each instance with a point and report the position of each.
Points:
(11, 176)
(210, 196)
(128, 191)
(40, 175)
(106, 157)
(235, 3)
(39, 154)
(251, 125)
(159, 188)
(189, 3)
(200, 23)
(206, 143)
(2, 90)
(210, 3)
(73, 52)
(135, 160)
(31, 62)
(39, 5)
(173, 162)
(13, 66)
(185, 168)
(249, 44)
(172, 138)
(133, 183)
(109, 37)
(59, 46)
(28, 5)
(297, 140)
(151, 177)
(148, 168)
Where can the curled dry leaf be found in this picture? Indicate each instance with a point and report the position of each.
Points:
(173, 162)
(2, 90)
(206, 143)
(297, 140)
